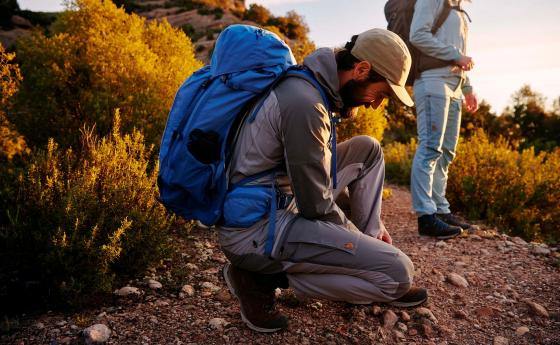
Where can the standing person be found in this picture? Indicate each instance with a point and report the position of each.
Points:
(438, 93)
(317, 249)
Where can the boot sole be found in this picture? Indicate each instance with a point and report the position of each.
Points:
(229, 284)
(407, 304)
(442, 237)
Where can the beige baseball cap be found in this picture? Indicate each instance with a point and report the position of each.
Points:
(388, 55)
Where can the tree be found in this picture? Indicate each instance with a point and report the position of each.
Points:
(535, 127)
(99, 59)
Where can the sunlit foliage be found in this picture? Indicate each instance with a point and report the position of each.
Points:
(11, 142)
(368, 121)
(519, 191)
(98, 59)
(78, 220)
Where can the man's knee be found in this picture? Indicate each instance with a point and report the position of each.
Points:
(370, 147)
(402, 272)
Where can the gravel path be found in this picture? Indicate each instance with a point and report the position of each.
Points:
(484, 288)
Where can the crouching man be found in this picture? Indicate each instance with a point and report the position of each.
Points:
(313, 246)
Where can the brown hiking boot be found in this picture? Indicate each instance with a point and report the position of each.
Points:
(415, 296)
(258, 307)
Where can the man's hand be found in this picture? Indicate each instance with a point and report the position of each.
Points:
(471, 102)
(384, 236)
(466, 63)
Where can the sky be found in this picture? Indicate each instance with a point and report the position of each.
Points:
(512, 42)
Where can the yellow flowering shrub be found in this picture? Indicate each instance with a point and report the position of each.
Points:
(11, 142)
(398, 161)
(99, 58)
(82, 219)
(517, 191)
(368, 121)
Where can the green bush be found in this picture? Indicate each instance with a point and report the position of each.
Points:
(98, 59)
(79, 221)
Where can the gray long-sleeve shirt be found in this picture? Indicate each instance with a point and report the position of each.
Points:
(448, 43)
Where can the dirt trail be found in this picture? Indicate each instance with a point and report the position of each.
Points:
(505, 278)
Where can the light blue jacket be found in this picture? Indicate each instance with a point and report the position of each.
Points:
(448, 43)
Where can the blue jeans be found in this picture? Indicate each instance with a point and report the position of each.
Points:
(438, 108)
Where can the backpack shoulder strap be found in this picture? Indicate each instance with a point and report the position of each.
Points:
(445, 13)
(442, 16)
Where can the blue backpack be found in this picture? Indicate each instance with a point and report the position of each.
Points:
(209, 108)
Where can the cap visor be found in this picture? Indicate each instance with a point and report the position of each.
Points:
(401, 93)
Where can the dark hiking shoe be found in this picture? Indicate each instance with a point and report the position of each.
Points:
(415, 296)
(258, 307)
(431, 226)
(453, 220)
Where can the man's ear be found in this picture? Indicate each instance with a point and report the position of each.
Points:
(361, 71)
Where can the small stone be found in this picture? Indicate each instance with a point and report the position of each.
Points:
(61, 323)
(191, 267)
(39, 325)
(427, 313)
(521, 331)
(402, 327)
(127, 290)
(154, 284)
(404, 316)
(376, 310)
(399, 334)
(223, 296)
(218, 323)
(389, 319)
(188, 290)
(413, 332)
(97, 334)
(101, 315)
(484, 252)
(153, 319)
(460, 314)
(316, 305)
(441, 244)
(486, 312)
(457, 280)
(427, 329)
(210, 286)
(538, 250)
(510, 244)
(537, 309)
(499, 340)
(475, 238)
(519, 240)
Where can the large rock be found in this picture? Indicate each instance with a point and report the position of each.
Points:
(97, 334)
(457, 280)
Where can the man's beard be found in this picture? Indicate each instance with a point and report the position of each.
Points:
(348, 93)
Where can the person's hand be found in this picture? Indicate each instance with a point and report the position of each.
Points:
(384, 236)
(466, 63)
(471, 102)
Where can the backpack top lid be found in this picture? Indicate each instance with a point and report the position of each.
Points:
(252, 48)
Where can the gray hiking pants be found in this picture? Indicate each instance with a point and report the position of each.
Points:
(326, 260)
